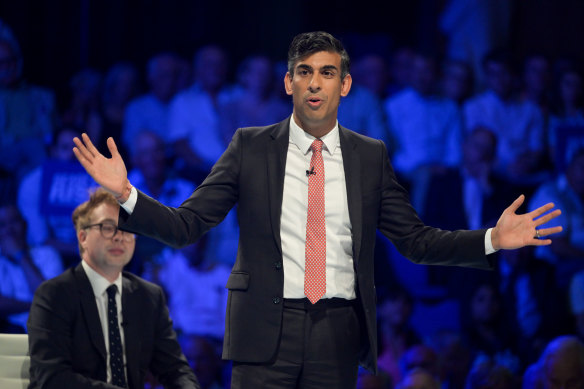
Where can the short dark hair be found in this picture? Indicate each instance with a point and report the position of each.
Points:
(308, 43)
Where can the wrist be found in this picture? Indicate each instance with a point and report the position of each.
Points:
(495, 239)
(123, 197)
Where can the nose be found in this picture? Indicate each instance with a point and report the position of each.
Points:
(314, 84)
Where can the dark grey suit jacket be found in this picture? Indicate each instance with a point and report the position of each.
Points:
(67, 348)
(251, 174)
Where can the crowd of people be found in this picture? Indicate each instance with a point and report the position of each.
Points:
(464, 149)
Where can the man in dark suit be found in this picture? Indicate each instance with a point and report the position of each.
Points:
(276, 337)
(75, 318)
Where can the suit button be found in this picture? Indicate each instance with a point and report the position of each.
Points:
(278, 265)
(276, 300)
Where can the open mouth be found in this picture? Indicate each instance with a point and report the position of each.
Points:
(314, 101)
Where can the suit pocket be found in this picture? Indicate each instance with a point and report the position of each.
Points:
(238, 281)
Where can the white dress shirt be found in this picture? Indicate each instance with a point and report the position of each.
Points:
(99, 285)
(340, 275)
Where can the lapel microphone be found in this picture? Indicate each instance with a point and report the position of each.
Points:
(311, 171)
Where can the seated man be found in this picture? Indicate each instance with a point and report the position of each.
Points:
(74, 324)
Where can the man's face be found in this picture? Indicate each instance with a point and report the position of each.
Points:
(106, 256)
(316, 89)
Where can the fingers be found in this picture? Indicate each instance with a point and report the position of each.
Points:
(546, 218)
(81, 151)
(541, 210)
(111, 145)
(516, 204)
(92, 149)
(549, 231)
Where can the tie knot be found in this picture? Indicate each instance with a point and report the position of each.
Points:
(111, 290)
(316, 146)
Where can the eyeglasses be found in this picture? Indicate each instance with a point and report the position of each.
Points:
(109, 230)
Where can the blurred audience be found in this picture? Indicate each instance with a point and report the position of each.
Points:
(48, 195)
(488, 374)
(83, 107)
(418, 378)
(205, 360)
(150, 111)
(457, 82)
(519, 125)
(537, 78)
(371, 71)
(256, 104)
(27, 114)
(194, 118)
(22, 269)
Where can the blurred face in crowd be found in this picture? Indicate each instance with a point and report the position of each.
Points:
(479, 147)
(257, 76)
(499, 78)
(62, 150)
(485, 305)
(419, 379)
(401, 66)
(163, 77)
(107, 256)
(571, 88)
(423, 75)
(211, 68)
(395, 312)
(422, 357)
(456, 81)
(537, 75)
(316, 88)
(9, 69)
(371, 72)
(149, 156)
(564, 370)
(12, 230)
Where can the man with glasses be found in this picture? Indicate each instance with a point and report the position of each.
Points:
(96, 326)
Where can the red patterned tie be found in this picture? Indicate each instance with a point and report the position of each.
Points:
(315, 265)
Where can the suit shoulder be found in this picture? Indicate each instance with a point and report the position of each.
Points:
(263, 131)
(360, 139)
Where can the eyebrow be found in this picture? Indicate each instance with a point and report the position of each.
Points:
(310, 68)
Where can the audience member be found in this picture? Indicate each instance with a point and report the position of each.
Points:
(487, 374)
(256, 104)
(419, 378)
(196, 290)
(27, 114)
(120, 86)
(83, 110)
(454, 357)
(371, 71)
(74, 325)
(562, 364)
(567, 192)
(420, 356)
(204, 359)
(400, 68)
(426, 128)
(22, 268)
(368, 380)
(566, 122)
(537, 77)
(150, 111)
(151, 170)
(193, 116)
(395, 332)
(49, 193)
(457, 81)
(519, 125)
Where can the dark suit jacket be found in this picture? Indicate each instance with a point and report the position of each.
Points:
(251, 174)
(67, 347)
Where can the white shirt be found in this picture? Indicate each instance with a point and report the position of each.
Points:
(340, 275)
(99, 285)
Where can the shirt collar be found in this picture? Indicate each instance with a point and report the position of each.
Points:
(99, 283)
(303, 140)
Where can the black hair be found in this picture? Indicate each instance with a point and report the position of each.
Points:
(308, 43)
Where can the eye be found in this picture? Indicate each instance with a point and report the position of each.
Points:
(108, 228)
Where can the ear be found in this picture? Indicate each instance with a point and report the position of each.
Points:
(288, 83)
(346, 85)
(82, 237)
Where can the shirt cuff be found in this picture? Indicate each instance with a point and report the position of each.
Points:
(130, 203)
(488, 243)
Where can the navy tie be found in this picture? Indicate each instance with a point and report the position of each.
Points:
(115, 341)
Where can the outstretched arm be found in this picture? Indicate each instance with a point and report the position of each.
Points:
(514, 231)
(110, 173)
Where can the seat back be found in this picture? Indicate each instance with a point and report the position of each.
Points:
(14, 361)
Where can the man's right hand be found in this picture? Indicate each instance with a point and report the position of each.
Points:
(110, 173)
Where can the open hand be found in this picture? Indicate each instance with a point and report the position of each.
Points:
(110, 173)
(514, 231)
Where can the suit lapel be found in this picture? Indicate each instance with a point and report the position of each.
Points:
(352, 167)
(276, 155)
(130, 319)
(89, 307)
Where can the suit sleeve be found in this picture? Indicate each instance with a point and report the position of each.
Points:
(399, 222)
(50, 337)
(168, 362)
(204, 209)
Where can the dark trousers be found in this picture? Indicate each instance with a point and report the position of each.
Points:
(318, 349)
